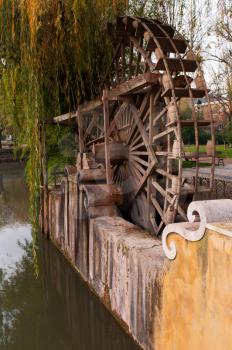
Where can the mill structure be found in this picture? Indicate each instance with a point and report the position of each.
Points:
(130, 144)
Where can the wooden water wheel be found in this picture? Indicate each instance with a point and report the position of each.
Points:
(135, 129)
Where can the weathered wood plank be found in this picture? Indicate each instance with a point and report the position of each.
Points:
(175, 65)
(133, 85)
(86, 107)
(166, 45)
(65, 117)
(190, 122)
(106, 127)
(184, 92)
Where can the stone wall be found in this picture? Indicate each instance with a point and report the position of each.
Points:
(185, 303)
(222, 188)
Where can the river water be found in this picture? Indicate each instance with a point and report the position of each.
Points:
(44, 304)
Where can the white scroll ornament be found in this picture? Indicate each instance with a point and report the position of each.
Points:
(199, 214)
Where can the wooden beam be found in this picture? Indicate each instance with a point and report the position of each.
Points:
(184, 92)
(85, 108)
(80, 131)
(128, 87)
(65, 117)
(106, 127)
(174, 64)
(166, 44)
(163, 133)
(152, 113)
(90, 106)
(134, 85)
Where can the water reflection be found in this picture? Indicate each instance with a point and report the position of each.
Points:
(13, 195)
(14, 222)
(55, 310)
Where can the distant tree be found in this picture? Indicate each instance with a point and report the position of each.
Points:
(222, 55)
(187, 16)
(228, 133)
(188, 133)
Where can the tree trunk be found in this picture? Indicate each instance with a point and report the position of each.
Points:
(1, 138)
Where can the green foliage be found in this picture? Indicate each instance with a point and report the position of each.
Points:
(224, 152)
(228, 134)
(188, 132)
(192, 164)
(53, 55)
(61, 150)
(219, 137)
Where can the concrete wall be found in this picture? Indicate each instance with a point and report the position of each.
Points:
(165, 305)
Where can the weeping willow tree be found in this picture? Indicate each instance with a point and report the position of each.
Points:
(53, 55)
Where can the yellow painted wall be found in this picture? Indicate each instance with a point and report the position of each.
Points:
(196, 301)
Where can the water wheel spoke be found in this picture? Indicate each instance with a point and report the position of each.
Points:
(158, 208)
(163, 134)
(136, 172)
(138, 61)
(134, 176)
(142, 52)
(140, 160)
(146, 65)
(142, 111)
(169, 198)
(124, 173)
(137, 146)
(143, 133)
(134, 141)
(123, 127)
(165, 173)
(114, 122)
(161, 190)
(142, 182)
(139, 153)
(115, 174)
(129, 184)
(120, 175)
(161, 226)
(117, 71)
(138, 167)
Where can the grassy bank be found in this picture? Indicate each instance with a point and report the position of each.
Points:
(224, 153)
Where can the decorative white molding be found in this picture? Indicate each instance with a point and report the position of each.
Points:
(199, 214)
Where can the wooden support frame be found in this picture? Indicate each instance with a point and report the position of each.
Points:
(106, 127)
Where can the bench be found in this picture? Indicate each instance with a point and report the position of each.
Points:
(220, 161)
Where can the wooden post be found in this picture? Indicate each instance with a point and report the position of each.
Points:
(150, 222)
(1, 131)
(76, 137)
(106, 128)
(80, 131)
